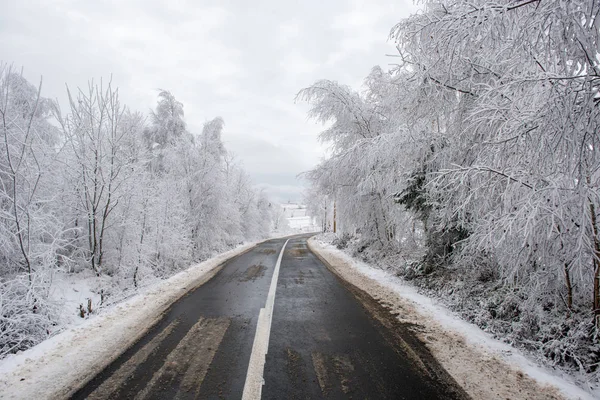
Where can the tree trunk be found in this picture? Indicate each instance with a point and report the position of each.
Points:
(596, 264)
(569, 287)
(334, 217)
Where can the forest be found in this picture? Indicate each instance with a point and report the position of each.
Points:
(98, 188)
(472, 168)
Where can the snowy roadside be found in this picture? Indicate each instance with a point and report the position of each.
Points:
(61, 364)
(486, 368)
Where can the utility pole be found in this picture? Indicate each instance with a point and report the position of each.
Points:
(334, 217)
(325, 217)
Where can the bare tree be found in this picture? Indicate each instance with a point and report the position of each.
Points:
(95, 137)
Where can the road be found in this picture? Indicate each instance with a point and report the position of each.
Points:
(323, 338)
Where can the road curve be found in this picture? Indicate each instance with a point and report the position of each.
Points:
(327, 340)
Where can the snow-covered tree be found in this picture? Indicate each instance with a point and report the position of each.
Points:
(100, 168)
(105, 192)
(483, 141)
(168, 124)
(31, 235)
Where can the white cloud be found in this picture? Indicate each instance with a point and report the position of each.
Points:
(296, 64)
(288, 32)
(241, 60)
(283, 193)
(361, 26)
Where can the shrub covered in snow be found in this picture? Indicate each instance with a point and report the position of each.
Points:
(26, 315)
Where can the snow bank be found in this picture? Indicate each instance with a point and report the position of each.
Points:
(61, 364)
(485, 367)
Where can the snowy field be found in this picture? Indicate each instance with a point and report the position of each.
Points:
(59, 365)
(485, 367)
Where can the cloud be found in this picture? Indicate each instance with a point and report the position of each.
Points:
(283, 193)
(264, 158)
(297, 64)
(288, 32)
(361, 27)
(244, 61)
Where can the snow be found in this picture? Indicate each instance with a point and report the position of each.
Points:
(305, 223)
(484, 366)
(71, 291)
(294, 210)
(298, 219)
(61, 364)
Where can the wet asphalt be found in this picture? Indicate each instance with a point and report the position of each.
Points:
(328, 340)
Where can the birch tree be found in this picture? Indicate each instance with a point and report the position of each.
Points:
(95, 138)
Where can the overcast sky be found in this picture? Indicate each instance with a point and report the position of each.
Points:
(242, 60)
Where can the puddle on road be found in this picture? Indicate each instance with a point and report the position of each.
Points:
(267, 251)
(253, 272)
(297, 252)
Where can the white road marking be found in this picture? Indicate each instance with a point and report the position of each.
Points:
(256, 368)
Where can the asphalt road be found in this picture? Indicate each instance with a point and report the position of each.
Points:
(326, 339)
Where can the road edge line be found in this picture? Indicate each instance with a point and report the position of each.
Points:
(260, 346)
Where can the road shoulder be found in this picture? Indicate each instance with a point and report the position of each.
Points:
(483, 372)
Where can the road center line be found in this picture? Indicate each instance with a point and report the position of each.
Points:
(254, 376)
